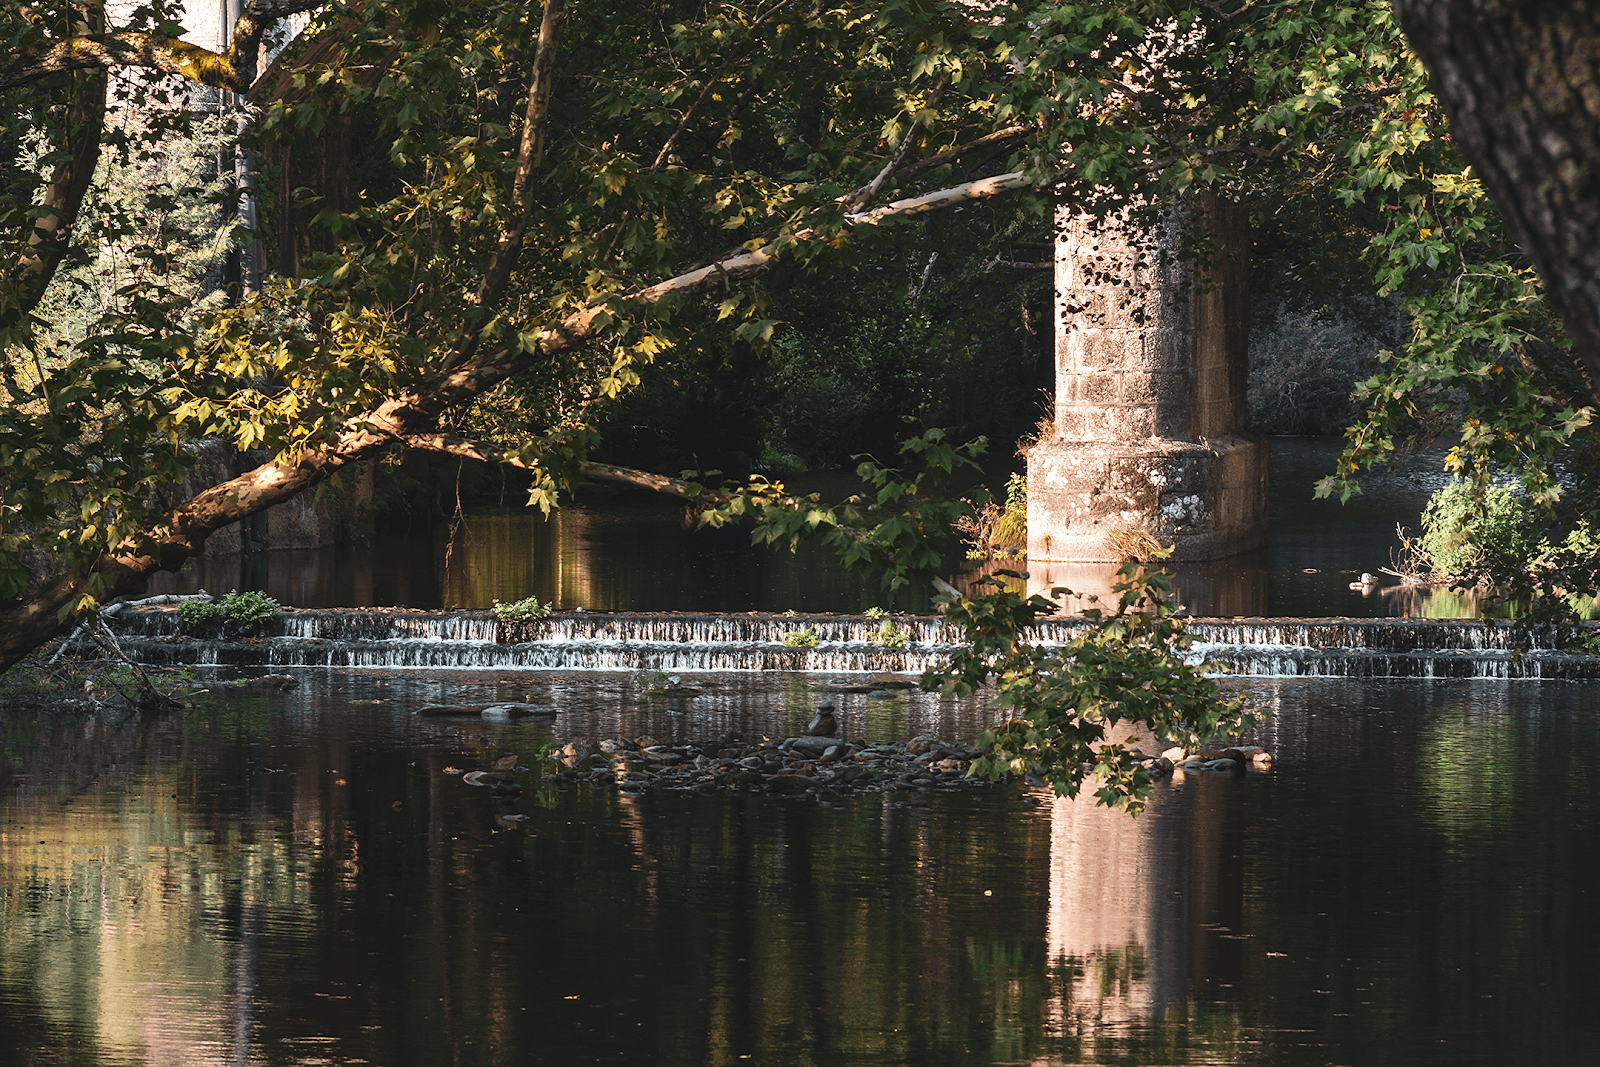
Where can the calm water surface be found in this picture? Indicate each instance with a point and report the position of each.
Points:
(629, 552)
(294, 879)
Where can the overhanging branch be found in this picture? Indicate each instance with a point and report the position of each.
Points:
(132, 50)
(464, 448)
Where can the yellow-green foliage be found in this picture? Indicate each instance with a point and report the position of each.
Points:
(891, 636)
(995, 530)
(521, 610)
(802, 638)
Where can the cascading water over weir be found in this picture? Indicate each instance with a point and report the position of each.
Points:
(408, 639)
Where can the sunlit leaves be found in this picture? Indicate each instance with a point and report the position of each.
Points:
(1070, 706)
(900, 528)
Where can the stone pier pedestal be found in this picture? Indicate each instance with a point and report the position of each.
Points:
(1151, 367)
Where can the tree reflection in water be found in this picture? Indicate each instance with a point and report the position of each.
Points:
(295, 878)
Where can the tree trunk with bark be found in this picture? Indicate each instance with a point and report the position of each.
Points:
(1521, 84)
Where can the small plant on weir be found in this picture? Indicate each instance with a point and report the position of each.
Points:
(234, 616)
(891, 636)
(806, 638)
(875, 613)
(650, 681)
(521, 610)
(1585, 644)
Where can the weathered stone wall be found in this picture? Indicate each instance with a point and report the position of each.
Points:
(1151, 369)
(310, 520)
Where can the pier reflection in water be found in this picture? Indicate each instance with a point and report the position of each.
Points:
(631, 553)
(295, 879)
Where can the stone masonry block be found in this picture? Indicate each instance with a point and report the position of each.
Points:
(1098, 388)
(1096, 349)
(1167, 388)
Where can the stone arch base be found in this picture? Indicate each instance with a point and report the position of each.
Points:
(1206, 499)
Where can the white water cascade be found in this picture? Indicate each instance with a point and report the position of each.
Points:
(402, 638)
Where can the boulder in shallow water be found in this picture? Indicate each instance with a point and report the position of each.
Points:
(1253, 754)
(514, 712)
(815, 746)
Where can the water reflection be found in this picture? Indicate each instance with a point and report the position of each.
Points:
(296, 879)
(630, 553)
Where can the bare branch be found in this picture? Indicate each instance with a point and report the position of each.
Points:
(949, 155)
(529, 152)
(690, 115)
(863, 196)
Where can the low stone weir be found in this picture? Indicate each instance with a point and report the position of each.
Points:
(403, 638)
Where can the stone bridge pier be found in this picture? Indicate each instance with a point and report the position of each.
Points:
(1151, 368)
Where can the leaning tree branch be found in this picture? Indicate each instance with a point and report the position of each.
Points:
(119, 50)
(955, 152)
(529, 151)
(28, 623)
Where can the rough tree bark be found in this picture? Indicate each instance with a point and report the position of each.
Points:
(1521, 83)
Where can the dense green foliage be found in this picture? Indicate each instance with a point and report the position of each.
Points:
(1492, 535)
(677, 133)
(1470, 531)
(521, 610)
(1071, 708)
(233, 616)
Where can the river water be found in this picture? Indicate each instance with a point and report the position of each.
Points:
(629, 551)
(296, 879)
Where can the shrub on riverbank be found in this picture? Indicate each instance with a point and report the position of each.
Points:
(1495, 538)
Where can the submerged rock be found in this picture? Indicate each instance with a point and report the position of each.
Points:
(504, 711)
(819, 768)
